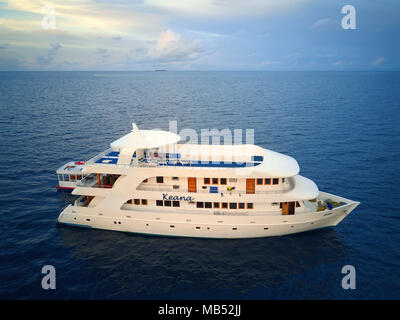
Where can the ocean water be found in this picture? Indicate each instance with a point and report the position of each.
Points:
(342, 127)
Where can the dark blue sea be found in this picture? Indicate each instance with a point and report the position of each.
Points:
(342, 127)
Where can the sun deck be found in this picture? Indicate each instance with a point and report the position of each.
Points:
(111, 157)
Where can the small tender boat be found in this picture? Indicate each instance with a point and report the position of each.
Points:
(148, 183)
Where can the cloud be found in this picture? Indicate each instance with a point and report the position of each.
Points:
(324, 23)
(222, 8)
(171, 47)
(337, 63)
(50, 55)
(378, 61)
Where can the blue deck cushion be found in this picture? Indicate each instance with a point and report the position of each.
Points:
(113, 154)
(257, 158)
(213, 189)
(107, 160)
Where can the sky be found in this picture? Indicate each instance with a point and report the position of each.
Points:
(135, 35)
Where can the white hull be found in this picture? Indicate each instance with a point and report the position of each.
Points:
(206, 226)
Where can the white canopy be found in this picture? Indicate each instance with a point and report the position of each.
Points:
(145, 139)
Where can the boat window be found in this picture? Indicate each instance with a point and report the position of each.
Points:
(232, 205)
(79, 177)
(60, 177)
(259, 181)
(175, 203)
(137, 201)
(283, 180)
(298, 204)
(200, 204)
(267, 181)
(144, 202)
(145, 180)
(206, 180)
(160, 179)
(241, 205)
(249, 205)
(66, 177)
(175, 178)
(129, 201)
(215, 180)
(223, 180)
(232, 180)
(275, 181)
(207, 204)
(159, 203)
(216, 204)
(167, 203)
(72, 177)
(224, 205)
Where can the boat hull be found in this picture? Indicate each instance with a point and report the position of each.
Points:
(207, 226)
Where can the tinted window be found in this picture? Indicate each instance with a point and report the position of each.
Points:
(207, 204)
(167, 203)
(232, 205)
(200, 204)
(175, 203)
(159, 203)
(160, 179)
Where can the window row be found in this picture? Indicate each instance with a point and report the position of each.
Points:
(268, 181)
(224, 205)
(167, 203)
(221, 181)
(137, 201)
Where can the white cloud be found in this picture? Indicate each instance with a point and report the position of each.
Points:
(378, 61)
(223, 8)
(337, 63)
(171, 47)
(324, 23)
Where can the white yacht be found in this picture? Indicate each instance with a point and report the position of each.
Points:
(148, 183)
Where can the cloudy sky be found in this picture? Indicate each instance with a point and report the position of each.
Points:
(198, 35)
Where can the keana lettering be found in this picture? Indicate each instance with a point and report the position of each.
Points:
(177, 198)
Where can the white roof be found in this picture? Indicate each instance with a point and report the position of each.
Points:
(145, 139)
(274, 165)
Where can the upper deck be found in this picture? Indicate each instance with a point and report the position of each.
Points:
(160, 149)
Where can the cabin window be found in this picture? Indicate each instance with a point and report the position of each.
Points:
(298, 204)
(216, 204)
(283, 180)
(160, 179)
(280, 205)
(275, 181)
(129, 201)
(249, 205)
(274, 203)
(144, 202)
(267, 181)
(167, 203)
(145, 180)
(159, 203)
(137, 201)
(232, 180)
(78, 177)
(232, 205)
(241, 205)
(215, 180)
(175, 203)
(200, 204)
(175, 178)
(259, 181)
(224, 205)
(223, 180)
(206, 180)
(72, 178)
(66, 177)
(208, 205)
